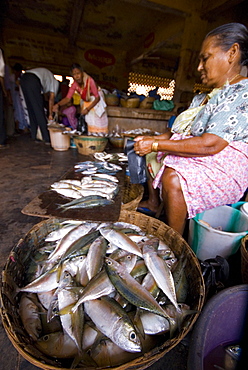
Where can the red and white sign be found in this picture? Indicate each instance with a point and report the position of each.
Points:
(149, 40)
(99, 58)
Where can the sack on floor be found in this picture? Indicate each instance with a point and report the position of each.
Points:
(215, 272)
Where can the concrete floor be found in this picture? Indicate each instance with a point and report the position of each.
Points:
(26, 170)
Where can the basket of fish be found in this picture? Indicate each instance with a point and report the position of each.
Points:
(92, 295)
(132, 195)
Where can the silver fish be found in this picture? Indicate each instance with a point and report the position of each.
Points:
(95, 256)
(106, 176)
(90, 334)
(68, 192)
(97, 287)
(59, 234)
(113, 321)
(44, 283)
(72, 323)
(161, 273)
(155, 324)
(88, 192)
(107, 354)
(57, 345)
(180, 280)
(130, 289)
(78, 232)
(45, 298)
(89, 201)
(121, 240)
(29, 314)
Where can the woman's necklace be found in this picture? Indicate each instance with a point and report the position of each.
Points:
(205, 100)
(234, 78)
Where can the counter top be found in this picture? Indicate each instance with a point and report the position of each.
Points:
(147, 114)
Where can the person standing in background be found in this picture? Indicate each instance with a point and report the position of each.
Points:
(2, 93)
(34, 83)
(19, 114)
(8, 103)
(93, 105)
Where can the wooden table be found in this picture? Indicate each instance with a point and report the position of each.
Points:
(46, 204)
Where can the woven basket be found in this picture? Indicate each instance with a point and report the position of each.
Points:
(244, 259)
(132, 195)
(130, 103)
(19, 258)
(112, 100)
(147, 103)
(90, 144)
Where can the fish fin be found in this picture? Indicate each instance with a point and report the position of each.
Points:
(86, 361)
(66, 310)
(138, 324)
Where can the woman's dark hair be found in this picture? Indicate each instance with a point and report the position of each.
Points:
(17, 67)
(76, 65)
(227, 34)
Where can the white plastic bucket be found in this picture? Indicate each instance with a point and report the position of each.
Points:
(217, 232)
(59, 141)
(244, 208)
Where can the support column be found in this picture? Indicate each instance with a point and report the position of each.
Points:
(186, 75)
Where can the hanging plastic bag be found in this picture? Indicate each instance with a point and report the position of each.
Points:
(136, 164)
(82, 125)
(39, 134)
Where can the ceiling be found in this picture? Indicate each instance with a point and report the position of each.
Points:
(117, 25)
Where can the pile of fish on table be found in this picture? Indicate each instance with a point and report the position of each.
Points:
(101, 294)
(98, 186)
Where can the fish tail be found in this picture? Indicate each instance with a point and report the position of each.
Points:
(173, 326)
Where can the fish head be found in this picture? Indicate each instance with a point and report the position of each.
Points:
(126, 337)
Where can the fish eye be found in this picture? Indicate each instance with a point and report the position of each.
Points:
(108, 262)
(133, 335)
(46, 337)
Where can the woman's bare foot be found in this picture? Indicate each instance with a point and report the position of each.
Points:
(150, 205)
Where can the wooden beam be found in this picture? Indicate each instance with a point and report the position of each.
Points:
(213, 8)
(77, 14)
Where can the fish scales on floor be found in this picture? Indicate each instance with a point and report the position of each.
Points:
(97, 187)
(94, 294)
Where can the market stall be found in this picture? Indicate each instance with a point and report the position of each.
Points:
(133, 118)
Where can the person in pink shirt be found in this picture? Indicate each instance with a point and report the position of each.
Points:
(93, 106)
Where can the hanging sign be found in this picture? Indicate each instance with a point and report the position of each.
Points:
(99, 58)
(149, 40)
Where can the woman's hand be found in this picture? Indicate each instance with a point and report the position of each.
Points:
(84, 111)
(143, 145)
(55, 108)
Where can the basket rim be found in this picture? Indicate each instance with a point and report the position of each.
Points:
(90, 137)
(153, 355)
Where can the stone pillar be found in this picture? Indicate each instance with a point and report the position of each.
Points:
(186, 75)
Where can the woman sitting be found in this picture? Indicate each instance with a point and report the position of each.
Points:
(204, 159)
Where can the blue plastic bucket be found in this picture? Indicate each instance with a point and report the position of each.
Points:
(217, 231)
(221, 322)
